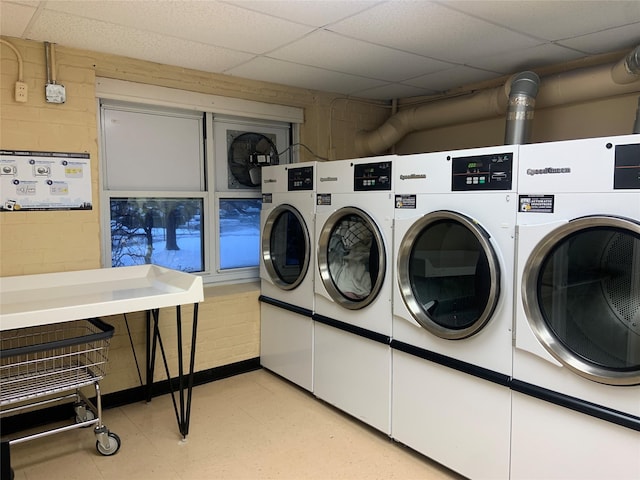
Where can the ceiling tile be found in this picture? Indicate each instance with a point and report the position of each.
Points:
(607, 41)
(213, 23)
(528, 58)
(375, 49)
(317, 14)
(334, 52)
(429, 29)
(29, 3)
(98, 36)
(285, 73)
(554, 19)
(451, 78)
(393, 90)
(14, 18)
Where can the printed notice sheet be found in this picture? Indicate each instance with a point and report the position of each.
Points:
(44, 181)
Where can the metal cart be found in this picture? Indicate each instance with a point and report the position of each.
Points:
(45, 364)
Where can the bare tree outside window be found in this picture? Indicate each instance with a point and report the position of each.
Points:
(166, 232)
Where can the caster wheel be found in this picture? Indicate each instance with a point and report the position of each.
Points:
(114, 445)
(88, 415)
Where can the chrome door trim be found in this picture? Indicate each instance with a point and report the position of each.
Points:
(323, 263)
(404, 280)
(533, 312)
(266, 246)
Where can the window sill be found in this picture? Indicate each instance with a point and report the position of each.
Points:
(213, 291)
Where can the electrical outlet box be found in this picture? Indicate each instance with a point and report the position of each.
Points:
(21, 92)
(55, 93)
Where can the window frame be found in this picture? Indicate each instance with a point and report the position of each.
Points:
(160, 99)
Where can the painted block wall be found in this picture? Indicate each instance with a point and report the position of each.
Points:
(40, 242)
(598, 118)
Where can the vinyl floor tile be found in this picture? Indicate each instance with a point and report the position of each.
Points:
(250, 426)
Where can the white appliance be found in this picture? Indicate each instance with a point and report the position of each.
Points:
(454, 246)
(287, 263)
(576, 367)
(352, 357)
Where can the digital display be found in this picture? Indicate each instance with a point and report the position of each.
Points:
(482, 172)
(300, 178)
(372, 176)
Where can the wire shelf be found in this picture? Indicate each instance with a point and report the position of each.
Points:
(45, 360)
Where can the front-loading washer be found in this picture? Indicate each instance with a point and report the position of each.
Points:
(454, 243)
(287, 264)
(576, 366)
(352, 319)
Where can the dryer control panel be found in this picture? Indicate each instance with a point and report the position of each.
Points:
(372, 176)
(482, 172)
(300, 178)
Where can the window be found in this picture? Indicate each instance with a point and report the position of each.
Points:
(169, 194)
(239, 232)
(162, 231)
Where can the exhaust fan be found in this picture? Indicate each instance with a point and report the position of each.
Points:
(248, 153)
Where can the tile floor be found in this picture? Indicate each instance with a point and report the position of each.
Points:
(251, 426)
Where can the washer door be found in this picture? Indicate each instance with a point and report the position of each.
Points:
(448, 274)
(581, 295)
(351, 258)
(286, 247)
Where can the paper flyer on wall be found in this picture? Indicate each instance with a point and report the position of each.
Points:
(44, 181)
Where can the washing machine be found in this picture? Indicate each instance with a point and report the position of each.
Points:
(287, 264)
(352, 357)
(452, 323)
(576, 366)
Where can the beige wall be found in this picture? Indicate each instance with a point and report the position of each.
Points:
(597, 118)
(39, 242)
(603, 117)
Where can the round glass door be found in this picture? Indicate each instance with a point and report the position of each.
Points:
(448, 274)
(351, 258)
(581, 294)
(286, 247)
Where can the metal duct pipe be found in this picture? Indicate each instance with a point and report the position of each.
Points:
(476, 106)
(591, 83)
(628, 69)
(576, 86)
(522, 101)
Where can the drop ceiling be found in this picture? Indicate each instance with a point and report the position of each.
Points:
(370, 49)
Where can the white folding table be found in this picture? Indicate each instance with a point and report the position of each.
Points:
(44, 299)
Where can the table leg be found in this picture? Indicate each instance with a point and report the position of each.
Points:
(182, 407)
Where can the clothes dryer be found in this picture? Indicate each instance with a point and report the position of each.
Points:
(576, 367)
(454, 246)
(352, 357)
(287, 263)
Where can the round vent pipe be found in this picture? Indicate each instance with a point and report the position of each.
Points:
(628, 69)
(522, 101)
(575, 86)
(440, 113)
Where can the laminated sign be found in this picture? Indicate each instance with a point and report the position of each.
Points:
(44, 181)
